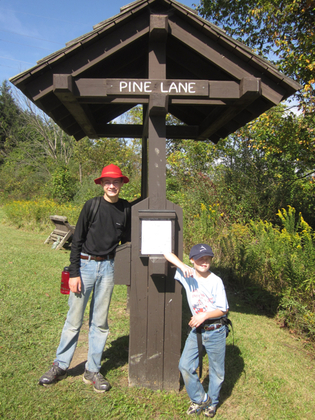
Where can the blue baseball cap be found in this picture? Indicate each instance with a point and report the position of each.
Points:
(200, 250)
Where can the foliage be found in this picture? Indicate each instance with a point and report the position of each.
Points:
(93, 155)
(9, 119)
(266, 261)
(281, 29)
(35, 214)
(87, 189)
(295, 315)
(31, 152)
(266, 165)
(62, 184)
(204, 226)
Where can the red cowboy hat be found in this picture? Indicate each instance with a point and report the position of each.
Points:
(111, 171)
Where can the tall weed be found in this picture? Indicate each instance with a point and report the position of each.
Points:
(272, 264)
(278, 260)
(204, 226)
(35, 214)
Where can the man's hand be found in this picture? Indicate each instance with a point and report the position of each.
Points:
(75, 284)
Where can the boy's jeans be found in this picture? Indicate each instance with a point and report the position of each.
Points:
(214, 342)
(96, 277)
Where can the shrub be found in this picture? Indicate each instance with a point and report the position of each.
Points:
(35, 214)
(63, 185)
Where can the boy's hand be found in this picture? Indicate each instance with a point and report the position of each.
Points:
(187, 271)
(197, 319)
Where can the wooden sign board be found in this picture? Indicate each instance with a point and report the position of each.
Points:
(167, 87)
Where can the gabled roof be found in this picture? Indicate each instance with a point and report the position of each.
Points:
(70, 84)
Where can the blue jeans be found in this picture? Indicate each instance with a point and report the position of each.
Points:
(214, 343)
(96, 277)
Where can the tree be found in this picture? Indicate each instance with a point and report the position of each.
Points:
(32, 147)
(9, 119)
(267, 165)
(283, 30)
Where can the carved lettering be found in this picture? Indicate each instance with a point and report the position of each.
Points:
(122, 86)
(162, 88)
(192, 87)
(168, 87)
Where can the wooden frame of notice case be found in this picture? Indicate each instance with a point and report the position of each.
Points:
(157, 232)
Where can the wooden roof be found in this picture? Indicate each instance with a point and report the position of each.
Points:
(73, 84)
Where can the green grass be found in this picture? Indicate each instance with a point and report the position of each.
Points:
(269, 373)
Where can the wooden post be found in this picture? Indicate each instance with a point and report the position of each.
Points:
(155, 297)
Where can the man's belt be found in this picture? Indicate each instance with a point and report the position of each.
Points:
(102, 258)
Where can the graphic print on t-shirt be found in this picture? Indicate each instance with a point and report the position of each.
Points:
(200, 301)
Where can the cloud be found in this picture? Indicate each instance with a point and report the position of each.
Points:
(11, 23)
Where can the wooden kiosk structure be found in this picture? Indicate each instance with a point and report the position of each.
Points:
(162, 55)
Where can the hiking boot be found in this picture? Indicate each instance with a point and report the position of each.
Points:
(210, 411)
(54, 375)
(198, 408)
(97, 379)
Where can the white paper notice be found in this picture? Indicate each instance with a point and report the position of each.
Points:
(156, 237)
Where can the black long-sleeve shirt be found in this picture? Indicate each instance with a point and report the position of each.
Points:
(104, 235)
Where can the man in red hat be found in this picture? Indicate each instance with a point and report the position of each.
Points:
(104, 222)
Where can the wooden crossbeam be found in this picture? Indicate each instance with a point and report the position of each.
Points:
(64, 91)
(250, 89)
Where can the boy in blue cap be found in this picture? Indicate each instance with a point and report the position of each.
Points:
(208, 304)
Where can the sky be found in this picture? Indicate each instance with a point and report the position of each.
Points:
(32, 29)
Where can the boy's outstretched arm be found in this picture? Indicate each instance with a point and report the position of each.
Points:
(173, 259)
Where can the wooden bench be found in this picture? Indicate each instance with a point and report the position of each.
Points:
(62, 233)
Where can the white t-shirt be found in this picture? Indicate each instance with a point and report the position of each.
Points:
(204, 295)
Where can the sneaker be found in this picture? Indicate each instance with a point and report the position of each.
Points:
(54, 375)
(198, 408)
(97, 379)
(210, 411)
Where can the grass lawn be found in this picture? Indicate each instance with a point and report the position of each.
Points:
(269, 374)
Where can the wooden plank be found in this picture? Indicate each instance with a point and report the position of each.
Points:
(181, 132)
(250, 91)
(222, 58)
(132, 32)
(148, 86)
(138, 305)
(136, 131)
(158, 105)
(193, 64)
(158, 27)
(122, 267)
(90, 88)
(206, 47)
(63, 86)
(144, 163)
(88, 57)
(173, 312)
(79, 115)
(157, 158)
(112, 100)
(199, 102)
(156, 320)
(95, 88)
(224, 89)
